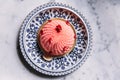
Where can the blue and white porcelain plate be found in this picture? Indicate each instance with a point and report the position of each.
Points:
(31, 51)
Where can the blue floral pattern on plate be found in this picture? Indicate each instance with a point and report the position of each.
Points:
(33, 54)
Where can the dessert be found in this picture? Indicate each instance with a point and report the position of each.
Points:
(56, 37)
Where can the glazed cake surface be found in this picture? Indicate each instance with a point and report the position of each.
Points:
(56, 37)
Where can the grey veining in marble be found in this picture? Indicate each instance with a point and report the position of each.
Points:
(103, 16)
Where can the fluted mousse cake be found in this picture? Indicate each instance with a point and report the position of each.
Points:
(56, 37)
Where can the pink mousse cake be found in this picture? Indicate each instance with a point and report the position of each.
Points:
(56, 37)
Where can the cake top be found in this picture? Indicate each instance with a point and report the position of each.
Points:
(56, 37)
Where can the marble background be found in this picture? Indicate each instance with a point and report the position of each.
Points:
(104, 18)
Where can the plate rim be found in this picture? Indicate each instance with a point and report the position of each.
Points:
(53, 5)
